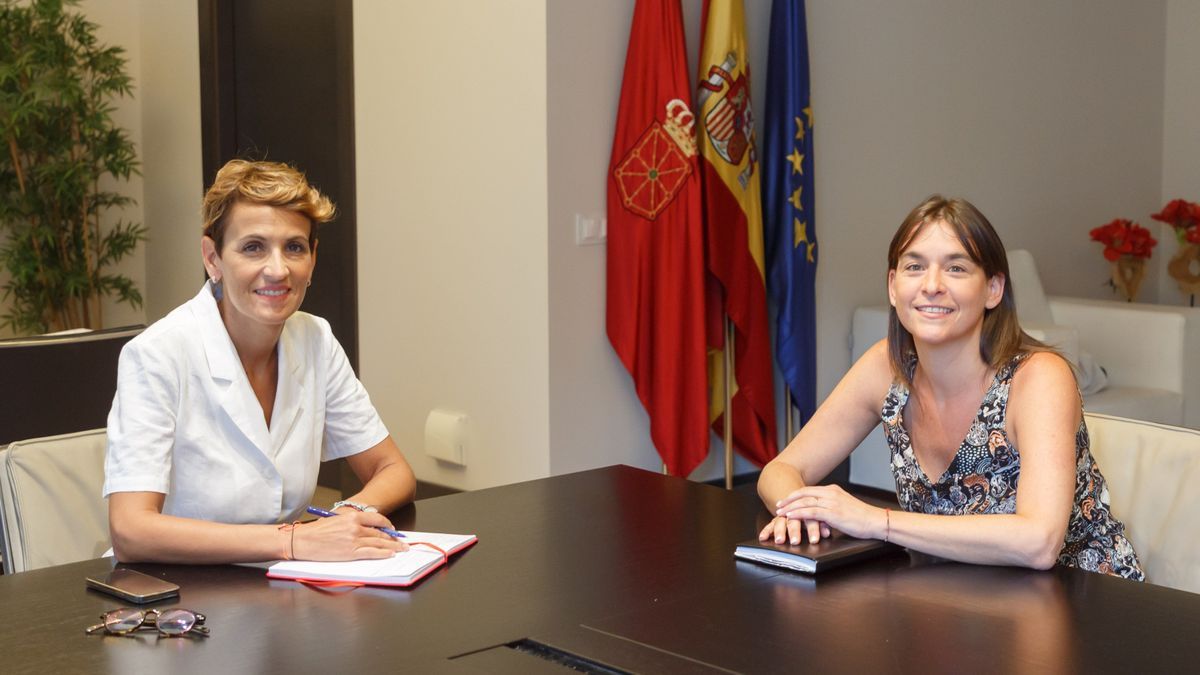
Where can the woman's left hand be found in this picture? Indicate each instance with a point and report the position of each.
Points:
(835, 507)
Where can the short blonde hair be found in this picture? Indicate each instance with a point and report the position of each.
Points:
(270, 183)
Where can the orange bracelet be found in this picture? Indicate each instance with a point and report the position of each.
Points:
(887, 535)
(290, 552)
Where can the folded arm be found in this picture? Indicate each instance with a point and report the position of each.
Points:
(835, 430)
(1043, 416)
(141, 532)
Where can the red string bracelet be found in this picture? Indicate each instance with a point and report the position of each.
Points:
(290, 552)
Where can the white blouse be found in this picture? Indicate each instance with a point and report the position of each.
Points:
(185, 422)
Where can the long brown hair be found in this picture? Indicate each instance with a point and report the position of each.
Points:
(1001, 338)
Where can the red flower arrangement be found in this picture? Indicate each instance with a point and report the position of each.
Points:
(1184, 216)
(1124, 237)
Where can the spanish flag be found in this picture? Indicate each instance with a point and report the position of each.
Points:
(655, 284)
(734, 231)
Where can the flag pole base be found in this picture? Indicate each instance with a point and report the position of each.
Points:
(729, 379)
(788, 433)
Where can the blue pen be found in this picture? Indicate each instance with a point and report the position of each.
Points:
(326, 514)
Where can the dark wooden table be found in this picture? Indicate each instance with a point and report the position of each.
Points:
(623, 567)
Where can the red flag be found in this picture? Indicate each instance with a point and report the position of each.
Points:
(655, 238)
(733, 227)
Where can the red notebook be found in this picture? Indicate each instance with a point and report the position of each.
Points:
(427, 552)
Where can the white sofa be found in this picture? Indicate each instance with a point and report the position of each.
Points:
(1151, 354)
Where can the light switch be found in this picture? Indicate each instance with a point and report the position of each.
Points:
(590, 229)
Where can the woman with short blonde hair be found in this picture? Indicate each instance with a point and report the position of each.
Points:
(226, 407)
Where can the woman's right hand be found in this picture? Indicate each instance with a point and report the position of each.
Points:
(346, 536)
(781, 530)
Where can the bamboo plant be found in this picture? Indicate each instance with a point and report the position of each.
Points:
(62, 154)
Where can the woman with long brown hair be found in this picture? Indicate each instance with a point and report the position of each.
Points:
(985, 424)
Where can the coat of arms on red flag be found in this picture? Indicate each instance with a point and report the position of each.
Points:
(654, 282)
(652, 172)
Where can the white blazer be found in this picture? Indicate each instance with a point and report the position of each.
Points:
(185, 422)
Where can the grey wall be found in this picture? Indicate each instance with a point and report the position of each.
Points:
(1047, 115)
(479, 142)
(451, 168)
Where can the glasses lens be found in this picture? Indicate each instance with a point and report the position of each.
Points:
(123, 620)
(175, 621)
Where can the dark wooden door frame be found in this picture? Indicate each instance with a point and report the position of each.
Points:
(217, 111)
(337, 298)
(334, 294)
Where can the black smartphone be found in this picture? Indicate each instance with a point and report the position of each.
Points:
(133, 586)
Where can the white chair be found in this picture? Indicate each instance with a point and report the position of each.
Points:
(1153, 474)
(51, 508)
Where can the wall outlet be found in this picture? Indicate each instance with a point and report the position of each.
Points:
(446, 436)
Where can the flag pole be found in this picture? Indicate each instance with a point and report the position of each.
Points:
(665, 472)
(787, 410)
(729, 379)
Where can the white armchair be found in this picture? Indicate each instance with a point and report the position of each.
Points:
(1153, 475)
(1151, 354)
(52, 511)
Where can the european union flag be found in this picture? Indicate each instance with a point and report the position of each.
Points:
(789, 229)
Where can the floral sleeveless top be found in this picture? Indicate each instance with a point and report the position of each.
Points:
(982, 479)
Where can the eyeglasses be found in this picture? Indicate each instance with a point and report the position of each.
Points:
(168, 622)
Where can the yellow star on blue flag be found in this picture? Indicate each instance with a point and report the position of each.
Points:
(795, 199)
(801, 232)
(789, 216)
(797, 162)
